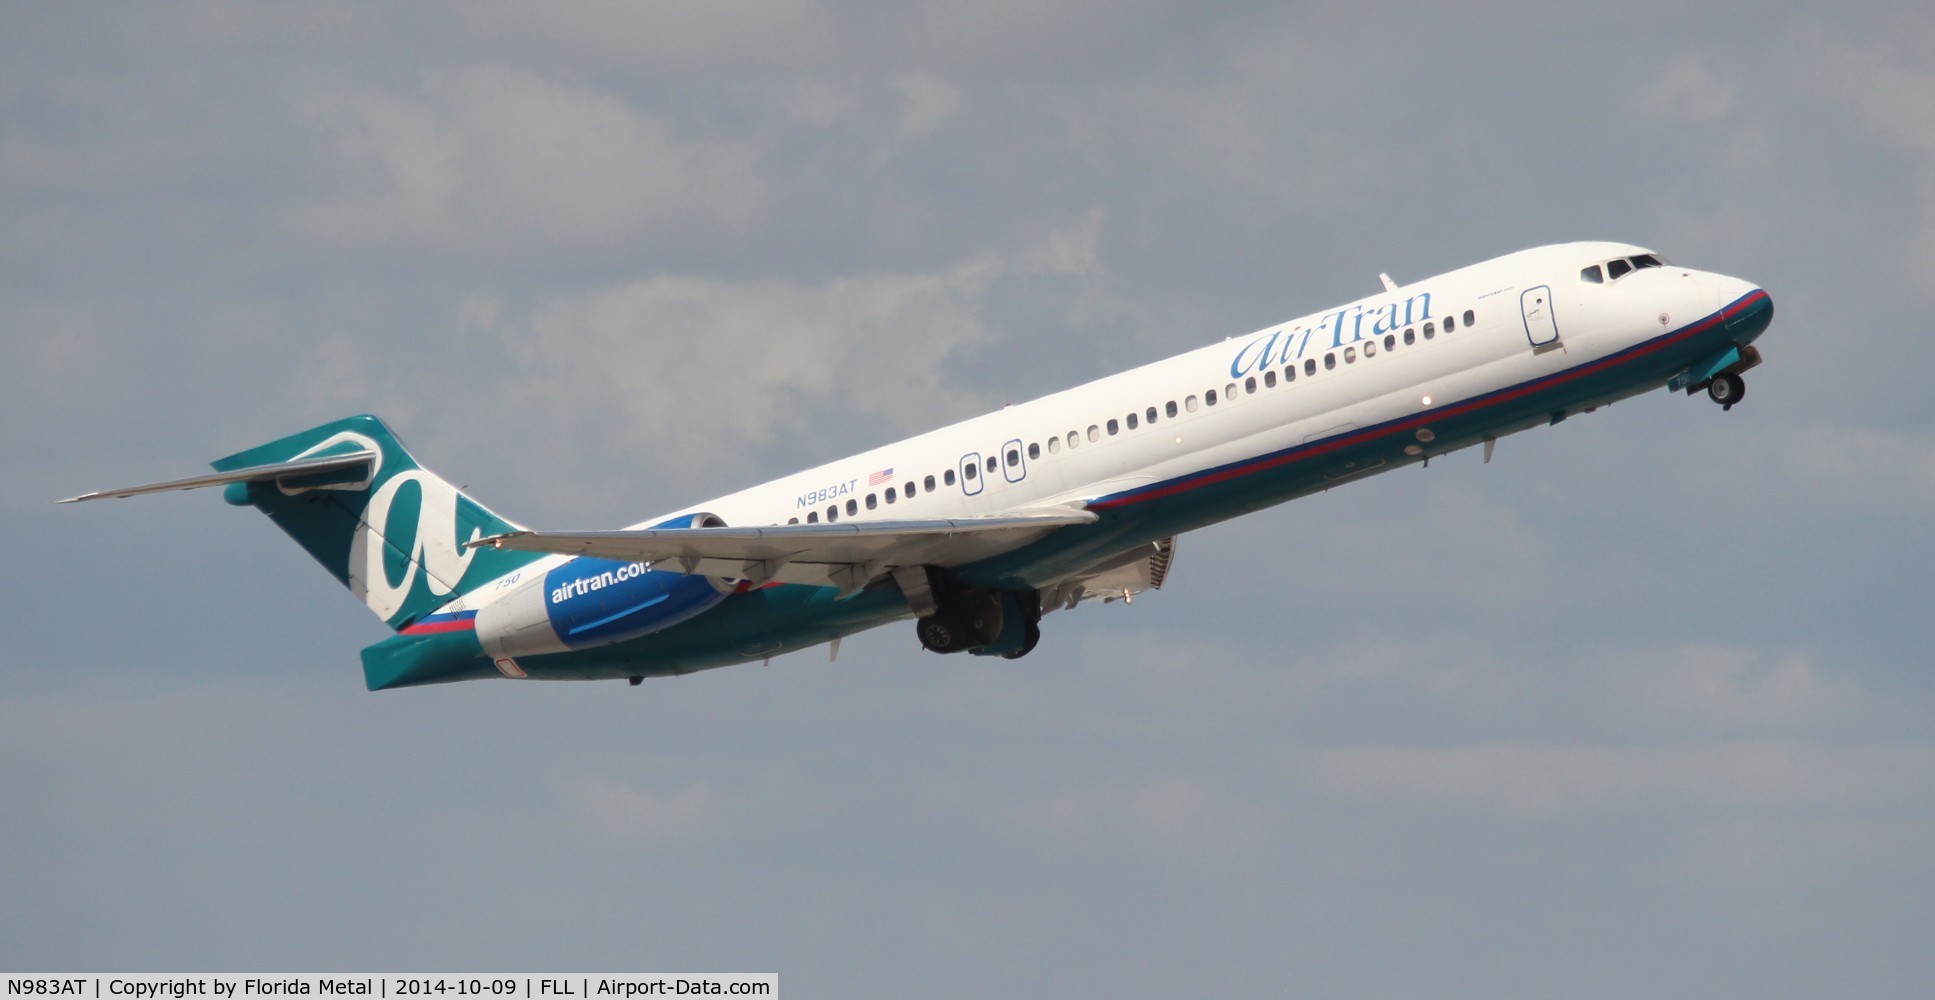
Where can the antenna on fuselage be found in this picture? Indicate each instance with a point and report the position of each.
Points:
(1389, 285)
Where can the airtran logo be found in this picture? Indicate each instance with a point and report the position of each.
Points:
(425, 538)
(1331, 331)
(580, 586)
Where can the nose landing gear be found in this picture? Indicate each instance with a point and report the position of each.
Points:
(1727, 390)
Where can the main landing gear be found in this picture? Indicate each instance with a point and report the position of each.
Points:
(1727, 390)
(985, 623)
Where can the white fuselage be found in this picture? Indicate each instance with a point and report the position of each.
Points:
(1258, 409)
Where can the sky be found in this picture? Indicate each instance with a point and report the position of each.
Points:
(1643, 707)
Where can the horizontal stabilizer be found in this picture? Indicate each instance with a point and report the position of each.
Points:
(846, 556)
(300, 468)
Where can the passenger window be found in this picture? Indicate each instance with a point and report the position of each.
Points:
(1114, 428)
(929, 483)
(1289, 374)
(1171, 408)
(792, 520)
(1350, 355)
(1149, 417)
(1330, 361)
(813, 517)
(1074, 438)
(853, 507)
(1410, 336)
(1470, 317)
(1054, 445)
(970, 471)
(1617, 269)
(1014, 457)
(1189, 403)
(1390, 341)
(1095, 433)
(1451, 323)
(1210, 397)
(1034, 450)
(1132, 423)
(1591, 275)
(1370, 348)
(1310, 366)
(873, 502)
(890, 494)
(832, 514)
(991, 464)
(1229, 392)
(1249, 385)
(1429, 332)
(909, 487)
(948, 477)
(1270, 379)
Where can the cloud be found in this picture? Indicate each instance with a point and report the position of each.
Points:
(1545, 781)
(1686, 88)
(607, 808)
(1719, 685)
(1838, 469)
(498, 164)
(1176, 817)
(672, 366)
(1815, 853)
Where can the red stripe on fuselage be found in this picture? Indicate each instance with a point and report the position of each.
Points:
(446, 625)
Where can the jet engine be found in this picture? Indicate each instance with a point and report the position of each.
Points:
(585, 602)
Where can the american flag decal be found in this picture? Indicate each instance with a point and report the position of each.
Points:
(882, 476)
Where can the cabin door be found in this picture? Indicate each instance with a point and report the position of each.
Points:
(971, 473)
(1536, 304)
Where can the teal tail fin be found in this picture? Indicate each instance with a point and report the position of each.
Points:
(390, 530)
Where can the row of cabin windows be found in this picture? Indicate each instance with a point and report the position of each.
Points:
(910, 489)
(1249, 385)
(1151, 415)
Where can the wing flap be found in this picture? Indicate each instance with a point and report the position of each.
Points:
(846, 556)
(1145, 567)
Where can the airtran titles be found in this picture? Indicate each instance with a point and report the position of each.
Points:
(1332, 330)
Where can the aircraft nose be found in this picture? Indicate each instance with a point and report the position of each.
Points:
(1746, 307)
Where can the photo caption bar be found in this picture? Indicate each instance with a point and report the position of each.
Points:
(383, 986)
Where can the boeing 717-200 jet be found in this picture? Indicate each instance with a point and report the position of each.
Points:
(978, 529)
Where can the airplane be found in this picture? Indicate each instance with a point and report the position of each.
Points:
(979, 529)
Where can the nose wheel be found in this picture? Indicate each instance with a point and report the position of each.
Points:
(1727, 390)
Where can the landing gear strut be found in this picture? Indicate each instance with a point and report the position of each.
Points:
(1727, 390)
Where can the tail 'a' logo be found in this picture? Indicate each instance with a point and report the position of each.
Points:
(396, 536)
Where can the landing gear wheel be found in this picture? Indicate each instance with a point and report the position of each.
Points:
(1030, 638)
(942, 633)
(1727, 390)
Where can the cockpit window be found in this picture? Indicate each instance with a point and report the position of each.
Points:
(1617, 269)
(1646, 260)
(1591, 275)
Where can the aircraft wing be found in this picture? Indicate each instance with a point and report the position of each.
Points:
(846, 556)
